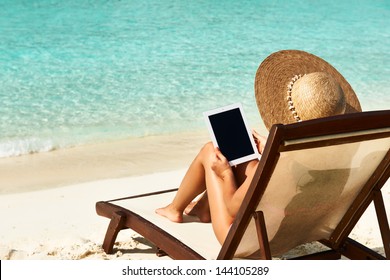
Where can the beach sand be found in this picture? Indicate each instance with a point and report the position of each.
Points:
(47, 201)
(132, 157)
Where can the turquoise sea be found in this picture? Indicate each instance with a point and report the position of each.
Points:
(86, 71)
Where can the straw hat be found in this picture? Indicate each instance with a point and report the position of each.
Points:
(294, 85)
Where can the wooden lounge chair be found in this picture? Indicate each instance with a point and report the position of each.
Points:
(313, 183)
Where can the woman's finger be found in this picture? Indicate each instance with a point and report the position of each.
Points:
(220, 165)
(259, 140)
(256, 134)
(219, 154)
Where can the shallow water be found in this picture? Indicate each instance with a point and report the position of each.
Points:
(75, 72)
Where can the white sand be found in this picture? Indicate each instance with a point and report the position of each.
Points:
(56, 219)
(47, 200)
(61, 223)
(131, 157)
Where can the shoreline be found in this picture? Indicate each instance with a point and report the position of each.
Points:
(51, 214)
(115, 159)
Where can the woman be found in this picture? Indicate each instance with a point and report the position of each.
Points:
(226, 187)
(290, 86)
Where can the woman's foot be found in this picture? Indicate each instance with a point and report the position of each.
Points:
(200, 209)
(171, 213)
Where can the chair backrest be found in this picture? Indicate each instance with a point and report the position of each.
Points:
(313, 182)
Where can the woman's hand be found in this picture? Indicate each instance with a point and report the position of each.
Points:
(259, 141)
(220, 165)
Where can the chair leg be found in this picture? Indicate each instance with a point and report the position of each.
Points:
(160, 252)
(116, 224)
(357, 251)
(265, 251)
(383, 222)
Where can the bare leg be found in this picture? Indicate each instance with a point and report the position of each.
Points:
(192, 185)
(201, 177)
(200, 208)
(220, 217)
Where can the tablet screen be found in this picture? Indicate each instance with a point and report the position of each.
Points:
(230, 133)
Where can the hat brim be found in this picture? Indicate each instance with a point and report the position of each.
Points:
(277, 70)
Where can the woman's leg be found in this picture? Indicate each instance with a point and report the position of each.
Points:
(201, 177)
(220, 217)
(201, 208)
(192, 185)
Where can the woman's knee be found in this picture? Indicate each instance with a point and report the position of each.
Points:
(206, 151)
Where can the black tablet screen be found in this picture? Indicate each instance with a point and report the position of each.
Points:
(231, 134)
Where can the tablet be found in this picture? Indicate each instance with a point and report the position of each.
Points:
(230, 133)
